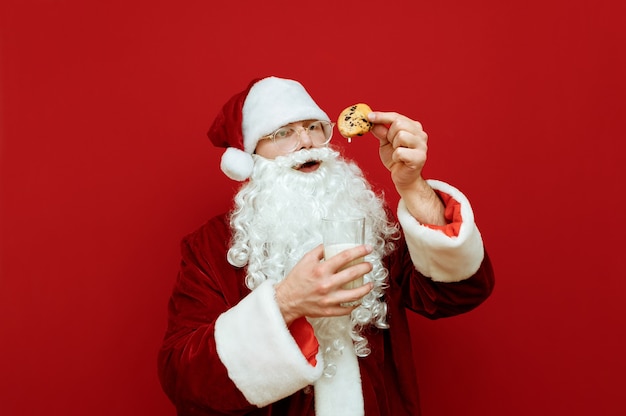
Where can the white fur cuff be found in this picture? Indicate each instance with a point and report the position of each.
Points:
(443, 258)
(255, 345)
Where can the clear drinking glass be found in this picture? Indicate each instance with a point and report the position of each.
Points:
(340, 234)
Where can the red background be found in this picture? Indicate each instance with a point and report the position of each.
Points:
(105, 166)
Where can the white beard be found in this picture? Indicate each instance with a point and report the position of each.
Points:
(277, 219)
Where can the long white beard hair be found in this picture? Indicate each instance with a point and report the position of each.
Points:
(276, 219)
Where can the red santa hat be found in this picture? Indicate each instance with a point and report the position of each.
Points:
(264, 106)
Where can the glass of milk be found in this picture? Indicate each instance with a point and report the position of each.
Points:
(340, 234)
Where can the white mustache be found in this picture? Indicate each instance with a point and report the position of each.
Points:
(296, 159)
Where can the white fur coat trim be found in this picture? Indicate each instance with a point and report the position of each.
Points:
(341, 394)
(255, 345)
(443, 258)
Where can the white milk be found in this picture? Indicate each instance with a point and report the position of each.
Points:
(333, 249)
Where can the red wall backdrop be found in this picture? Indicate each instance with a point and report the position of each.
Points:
(105, 166)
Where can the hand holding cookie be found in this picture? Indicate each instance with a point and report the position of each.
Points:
(403, 146)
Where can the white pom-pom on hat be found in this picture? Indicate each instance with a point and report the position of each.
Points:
(264, 106)
(236, 164)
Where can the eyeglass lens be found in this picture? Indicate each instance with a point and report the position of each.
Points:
(288, 138)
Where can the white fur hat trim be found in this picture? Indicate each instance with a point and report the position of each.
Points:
(273, 102)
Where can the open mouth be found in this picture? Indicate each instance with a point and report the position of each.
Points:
(309, 166)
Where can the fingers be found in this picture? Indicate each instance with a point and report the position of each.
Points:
(344, 301)
(398, 130)
(407, 139)
(353, 296)
(346, 275)
(382, 117)
(349, 264)
(395, 120)
(346, 256)
(348, 268)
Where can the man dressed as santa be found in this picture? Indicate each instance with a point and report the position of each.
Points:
(260, 323)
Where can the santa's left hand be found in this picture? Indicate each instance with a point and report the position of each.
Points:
(403, 146)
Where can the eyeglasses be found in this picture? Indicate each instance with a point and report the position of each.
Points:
(287, 138)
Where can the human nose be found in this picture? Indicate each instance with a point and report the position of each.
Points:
(304, 139)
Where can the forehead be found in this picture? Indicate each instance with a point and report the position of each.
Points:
(300, 123)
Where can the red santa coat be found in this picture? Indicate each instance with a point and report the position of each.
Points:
(227, 350)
